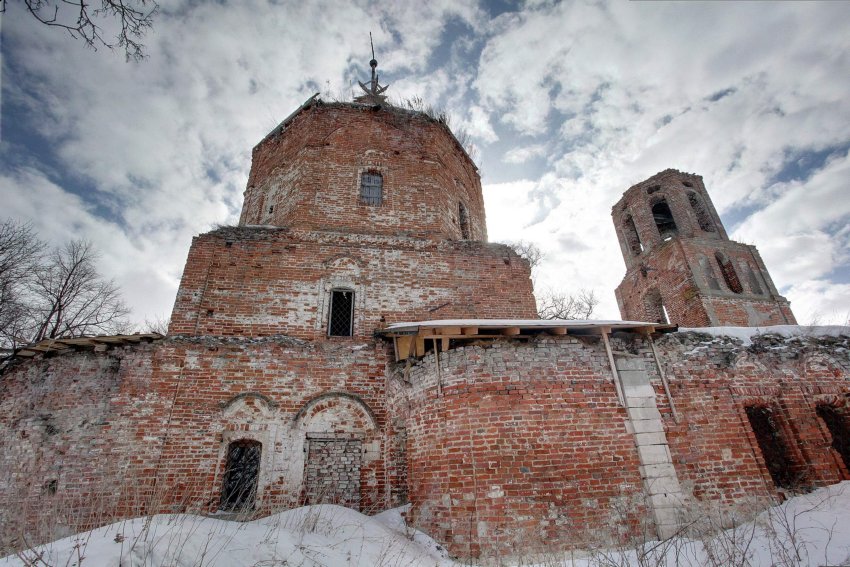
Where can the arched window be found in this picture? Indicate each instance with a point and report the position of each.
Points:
(730, 276)
(241, 474)
(632, 237)
(463, 219)
(654, 306)
(341, 313)
(703, 218)
(663, 217)
(371, 188)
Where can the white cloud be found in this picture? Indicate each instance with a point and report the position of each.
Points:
(609, 93)
(524, 153)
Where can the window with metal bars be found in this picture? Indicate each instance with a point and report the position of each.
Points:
(371, 188)
(341, 313)
(239, 489)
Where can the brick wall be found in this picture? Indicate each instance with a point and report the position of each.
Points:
(266, 281)
(511, 441)
(145, 430)
(515, 444)
(308, 174)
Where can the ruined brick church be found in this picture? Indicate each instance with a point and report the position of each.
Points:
(356, 340)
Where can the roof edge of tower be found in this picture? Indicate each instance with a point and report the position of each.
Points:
(316, 100)
(660, 176)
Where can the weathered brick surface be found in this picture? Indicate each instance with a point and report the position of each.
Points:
(309, 174)
(517, 444)
(526, 442)
(266, 281)
(146, 430)
(685, 269)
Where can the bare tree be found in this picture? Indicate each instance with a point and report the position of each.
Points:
(55, 294)
(20, 256)
(71, 298)
(559, 305)
(527, 250)
(133, 18)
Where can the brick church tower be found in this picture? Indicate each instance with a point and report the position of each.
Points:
(681, 266)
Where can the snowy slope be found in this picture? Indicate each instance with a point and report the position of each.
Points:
(813, 529)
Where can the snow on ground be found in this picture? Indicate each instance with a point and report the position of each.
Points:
(323, 535)
(809, 530)
(746, 334)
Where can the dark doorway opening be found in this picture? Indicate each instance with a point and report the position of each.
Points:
(774, 448)
(837, 423)
(239, 489)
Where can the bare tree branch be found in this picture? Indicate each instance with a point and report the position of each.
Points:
(559, 305)
(54, 294)
(132, 17)
(72, 299)
(20, 255)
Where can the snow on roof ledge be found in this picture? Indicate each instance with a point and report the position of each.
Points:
(746, 334)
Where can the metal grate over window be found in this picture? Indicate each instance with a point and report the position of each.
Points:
(371, 188)
(239, 489)
(341, 314)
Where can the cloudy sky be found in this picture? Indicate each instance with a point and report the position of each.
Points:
(568, 103)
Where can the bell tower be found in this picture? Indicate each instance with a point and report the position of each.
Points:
(681, 267)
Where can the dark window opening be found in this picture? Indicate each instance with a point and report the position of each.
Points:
(341, 315)
(687, 184)
(774, 448)
(652, 189)
(654, 306)
(239, 489)
(371, 188)
(271, 209)
(463, 219)
(838, 426)
(703, 218)
(663, 217)
(730, 276)
(632, 237)
(754, 282)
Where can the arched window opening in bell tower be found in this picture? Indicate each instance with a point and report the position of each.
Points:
(703, 218)
(663, 217)
(341, 313)
(632, 237)
(371, 188)
(730, 276)
(241, 475)
(463, 219)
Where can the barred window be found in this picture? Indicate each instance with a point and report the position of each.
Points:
(239, 489)
(341, 313)
(371, 188)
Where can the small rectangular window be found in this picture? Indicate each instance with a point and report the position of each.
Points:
(371, 188)
(341, 314)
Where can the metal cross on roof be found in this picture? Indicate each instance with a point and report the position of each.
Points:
(374, 91)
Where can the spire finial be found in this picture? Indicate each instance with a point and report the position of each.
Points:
(374, 91)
